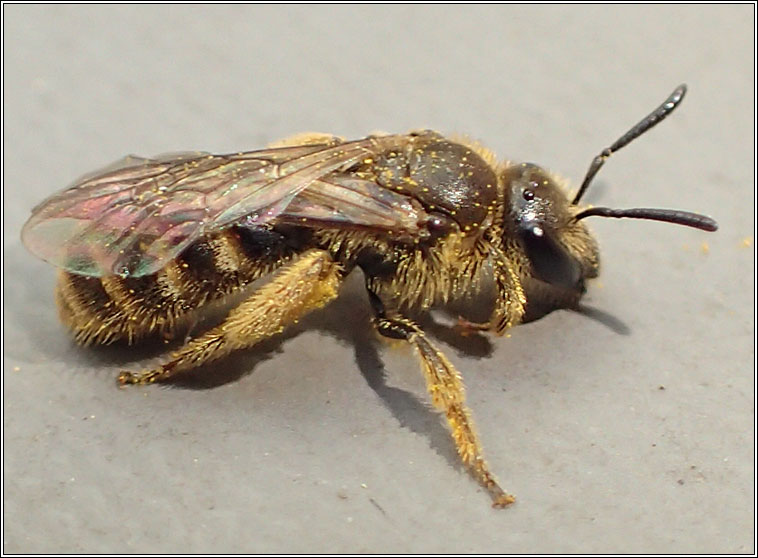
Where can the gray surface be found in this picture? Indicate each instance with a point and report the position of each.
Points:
(303, 446)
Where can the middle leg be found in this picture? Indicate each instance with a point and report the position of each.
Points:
(446, 389)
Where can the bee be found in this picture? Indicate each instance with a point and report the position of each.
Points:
(146, 244)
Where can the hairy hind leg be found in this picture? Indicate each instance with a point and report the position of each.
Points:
(307, 284)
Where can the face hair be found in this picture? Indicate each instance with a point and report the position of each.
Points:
(643, 126)
(675, 216)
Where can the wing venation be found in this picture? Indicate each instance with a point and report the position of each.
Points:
(137, 214)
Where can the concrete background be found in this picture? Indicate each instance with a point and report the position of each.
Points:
(322, 440)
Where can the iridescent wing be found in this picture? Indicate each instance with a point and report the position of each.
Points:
(133, 217)
(343, 201)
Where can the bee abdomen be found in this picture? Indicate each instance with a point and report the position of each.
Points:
(107, 309)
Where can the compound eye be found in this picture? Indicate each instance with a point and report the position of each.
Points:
(550, 260)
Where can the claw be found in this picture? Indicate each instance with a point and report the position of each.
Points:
(467, 328)
(129, 378)
(502, 501)
(126, 378)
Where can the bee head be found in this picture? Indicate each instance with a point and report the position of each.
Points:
(558, 247)
(548, 225)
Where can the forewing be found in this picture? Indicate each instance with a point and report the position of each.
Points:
(138, 214)
(343, 201)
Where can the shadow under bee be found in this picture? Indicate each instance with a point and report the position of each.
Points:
(348, 320)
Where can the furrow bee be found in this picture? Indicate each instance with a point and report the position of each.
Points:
(146, 244)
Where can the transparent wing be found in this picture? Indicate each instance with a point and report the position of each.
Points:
(342, 200)
(133, 217)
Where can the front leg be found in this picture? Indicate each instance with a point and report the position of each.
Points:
(510, 305)
(446, 389)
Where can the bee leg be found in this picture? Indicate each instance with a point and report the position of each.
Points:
(445, 386)
(511, 300)
(307, 284)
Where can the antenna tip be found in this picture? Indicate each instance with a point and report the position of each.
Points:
(709, 225)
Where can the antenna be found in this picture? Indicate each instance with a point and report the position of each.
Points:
(643, 126)
(675, 216)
